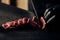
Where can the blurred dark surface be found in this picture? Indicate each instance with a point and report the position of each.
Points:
(29, 35)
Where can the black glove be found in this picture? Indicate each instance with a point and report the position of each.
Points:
(49, 15)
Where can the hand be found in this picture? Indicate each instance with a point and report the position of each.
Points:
(34, 22)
